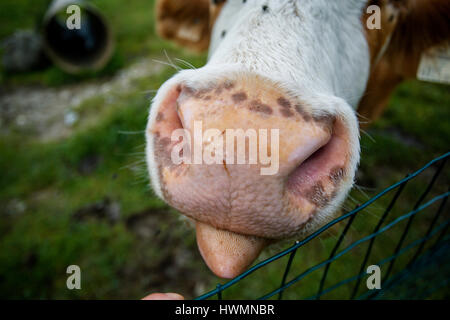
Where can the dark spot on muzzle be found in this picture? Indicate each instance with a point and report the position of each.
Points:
(336, 175)
(317, 195)
(305, 115)
(160, 117)
(286, 113)
(284, 103)
(228, 85)
(162, 150)
(260, 107)
(285, 107)
(239, 97)
(325, 120)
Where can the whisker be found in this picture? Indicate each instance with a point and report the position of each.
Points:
(130, 132)
(167, 64)
(365, 188)
(329, 233)
(368, 120)
(368, 135)
(184, 62)
(362, 192)
(130, 166)
(170, 60)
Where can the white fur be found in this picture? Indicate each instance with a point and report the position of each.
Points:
(318, 45)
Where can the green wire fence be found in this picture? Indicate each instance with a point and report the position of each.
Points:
(420, 257)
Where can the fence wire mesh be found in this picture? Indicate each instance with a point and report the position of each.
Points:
(421, 251)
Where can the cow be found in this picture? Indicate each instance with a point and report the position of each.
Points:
(311, 69)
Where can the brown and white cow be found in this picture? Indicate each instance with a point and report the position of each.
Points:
(304, 67)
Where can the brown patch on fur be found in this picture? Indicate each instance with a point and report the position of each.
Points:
(326, 121)
(305, 115)
(164, 142)
(286, 113)
(160, 117)
(417, 26)
(239, 97)
(336, 175)
(202, 93)
(285, 107)
(162, 150)
(260, 107)
(317, 195)
(376, 37)
(228, 85)
(284, 102)
(422, 25)
(188, 23)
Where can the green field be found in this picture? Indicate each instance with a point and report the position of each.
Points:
(84, 199)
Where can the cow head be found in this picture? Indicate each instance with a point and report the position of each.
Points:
(288, 74)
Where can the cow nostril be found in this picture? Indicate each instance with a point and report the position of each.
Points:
(167, 118)
(318, 179)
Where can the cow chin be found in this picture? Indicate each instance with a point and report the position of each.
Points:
(310, 149)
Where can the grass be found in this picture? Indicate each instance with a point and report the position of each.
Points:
(43, 186)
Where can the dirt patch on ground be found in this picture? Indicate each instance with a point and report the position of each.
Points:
(50, 113)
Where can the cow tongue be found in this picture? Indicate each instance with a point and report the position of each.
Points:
(226, 253)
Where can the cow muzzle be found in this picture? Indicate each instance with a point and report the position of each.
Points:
(247, 162)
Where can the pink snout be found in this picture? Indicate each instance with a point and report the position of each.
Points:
(248, 163)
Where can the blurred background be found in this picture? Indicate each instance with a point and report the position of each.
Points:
(73, 183)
